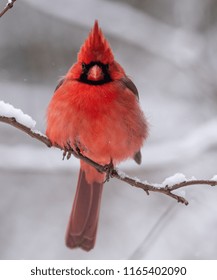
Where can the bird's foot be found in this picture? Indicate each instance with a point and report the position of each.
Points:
(67, 151)
(108, 168)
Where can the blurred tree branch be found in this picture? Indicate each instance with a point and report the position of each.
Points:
(167, 190)
(7, 7)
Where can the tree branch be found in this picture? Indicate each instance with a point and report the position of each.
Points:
(166, 190)
(34, 134)
(7, 7)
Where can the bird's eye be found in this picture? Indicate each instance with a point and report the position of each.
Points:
(83, 67)
(107, 66)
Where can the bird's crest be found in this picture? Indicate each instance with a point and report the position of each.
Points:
(95, 47)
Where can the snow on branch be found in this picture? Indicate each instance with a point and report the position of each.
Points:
(16, 118)
(8, 6)
(23, 122)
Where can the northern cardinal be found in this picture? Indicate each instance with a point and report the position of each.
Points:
(95, 109)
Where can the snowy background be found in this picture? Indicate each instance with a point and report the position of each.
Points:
(169, 49)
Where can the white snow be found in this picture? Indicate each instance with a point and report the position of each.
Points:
(121, 173)
(175, 179)
(214, 178)
(39, 132)
(7, 110)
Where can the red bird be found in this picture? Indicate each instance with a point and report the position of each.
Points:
(95, 109)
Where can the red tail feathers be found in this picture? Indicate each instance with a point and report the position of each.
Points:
(82, 227)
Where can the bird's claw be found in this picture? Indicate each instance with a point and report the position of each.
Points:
(108, 168)
(77, 149)
(67, 151)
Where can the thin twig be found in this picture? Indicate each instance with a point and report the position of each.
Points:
(167, 190)
(12, 121)
(7, 7)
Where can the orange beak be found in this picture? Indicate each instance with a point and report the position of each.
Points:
(95, 73)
